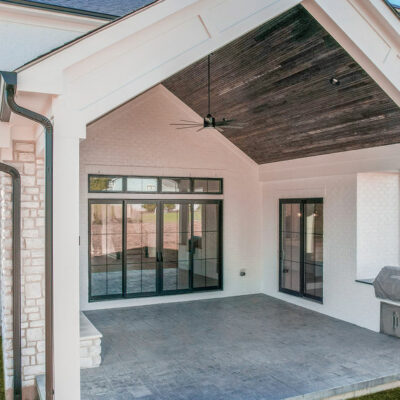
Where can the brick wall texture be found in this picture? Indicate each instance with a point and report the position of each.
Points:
(31, 169)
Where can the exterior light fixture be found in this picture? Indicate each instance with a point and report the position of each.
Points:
(334, 81)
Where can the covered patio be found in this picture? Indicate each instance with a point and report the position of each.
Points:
(246, 347)
(226, 182)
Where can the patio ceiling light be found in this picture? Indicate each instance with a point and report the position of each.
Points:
(334, 81)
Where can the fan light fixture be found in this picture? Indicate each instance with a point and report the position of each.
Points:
(209, 120)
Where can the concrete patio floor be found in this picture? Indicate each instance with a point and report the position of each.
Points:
(239, 348)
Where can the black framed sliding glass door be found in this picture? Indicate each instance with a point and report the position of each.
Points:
(154, 247)
(301, 247)
(105, 249)
(141, 248)
(175, 255)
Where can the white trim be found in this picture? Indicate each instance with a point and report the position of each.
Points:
(373, 159)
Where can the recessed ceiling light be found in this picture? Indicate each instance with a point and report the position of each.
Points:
(334, 81)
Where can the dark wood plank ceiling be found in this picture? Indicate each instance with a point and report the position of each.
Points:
(276, 80)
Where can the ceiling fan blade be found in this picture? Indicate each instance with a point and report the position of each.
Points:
(193, 122)
(220, 130)
(200, 129)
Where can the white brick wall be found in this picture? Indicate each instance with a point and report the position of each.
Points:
(32, 252)
(377, 222)
(138, 139)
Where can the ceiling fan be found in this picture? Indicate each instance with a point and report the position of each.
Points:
(209, 121)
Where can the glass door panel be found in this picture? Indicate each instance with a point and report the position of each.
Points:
(313, 249)
(176, 241)
(206, 245)
(105, 247)
(151, 247)
(141, 247)
(290, 257)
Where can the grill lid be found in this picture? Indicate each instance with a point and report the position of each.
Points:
(387, 284)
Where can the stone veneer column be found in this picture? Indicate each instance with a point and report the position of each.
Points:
(31, 169)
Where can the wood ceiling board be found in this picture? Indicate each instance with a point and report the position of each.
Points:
(276, 80)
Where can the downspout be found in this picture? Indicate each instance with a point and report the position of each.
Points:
(16, 274)
(8, 93)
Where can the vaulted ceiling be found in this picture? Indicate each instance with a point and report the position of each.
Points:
(276, 81)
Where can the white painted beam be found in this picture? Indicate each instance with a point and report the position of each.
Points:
(153, 55)
(66, 262)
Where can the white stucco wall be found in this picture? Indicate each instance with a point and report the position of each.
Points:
(377, 222)
(138, 139)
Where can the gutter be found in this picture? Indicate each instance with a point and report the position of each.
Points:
(8, 87)
(16, 274)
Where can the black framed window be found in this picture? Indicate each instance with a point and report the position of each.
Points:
(139, 184)
(154, 184)
(176, 185)
(154, 247)
(201, 185)
(106, 183)
(301, 247)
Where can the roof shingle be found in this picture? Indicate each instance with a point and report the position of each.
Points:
(116, 8)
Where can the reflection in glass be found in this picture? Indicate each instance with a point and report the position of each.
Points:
(290, 246)
(134, 249)
(214, 186)
(134, 184)
(200, 185)
(206, 246)
(207, 185)
(212, 273)
(141, 247)
(105, 184)
(176, 246)
(106, 249)
(291, 275)
(199, 273)
(313, 249)
(98, 277)
(176, 185)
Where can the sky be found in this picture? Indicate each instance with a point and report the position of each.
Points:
(395, 2)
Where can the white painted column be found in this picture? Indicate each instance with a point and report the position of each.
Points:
(66, 255)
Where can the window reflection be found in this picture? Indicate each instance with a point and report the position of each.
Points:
(301, 247)
(106, 249)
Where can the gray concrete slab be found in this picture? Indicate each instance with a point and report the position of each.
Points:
(245, 348)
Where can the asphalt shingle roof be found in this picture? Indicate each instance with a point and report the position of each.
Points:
(112, 7)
